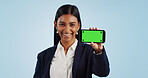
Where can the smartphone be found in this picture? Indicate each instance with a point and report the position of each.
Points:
(96, 36)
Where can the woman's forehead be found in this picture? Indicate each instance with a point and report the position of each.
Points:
(67, 18)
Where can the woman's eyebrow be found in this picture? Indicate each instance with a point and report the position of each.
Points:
(61, 22)
(72, 22)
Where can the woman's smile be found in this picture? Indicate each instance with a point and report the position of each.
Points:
(67, 35)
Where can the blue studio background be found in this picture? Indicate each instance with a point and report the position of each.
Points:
(26, 28)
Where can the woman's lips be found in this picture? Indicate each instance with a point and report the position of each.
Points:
(67, 35)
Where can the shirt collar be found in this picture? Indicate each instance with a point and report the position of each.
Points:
(72, 47)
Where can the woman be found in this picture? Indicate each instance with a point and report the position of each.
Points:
(69, 58)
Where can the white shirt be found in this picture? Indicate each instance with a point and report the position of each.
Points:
(61, 64)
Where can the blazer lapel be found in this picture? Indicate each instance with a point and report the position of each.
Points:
(50, 55)
(77, 56)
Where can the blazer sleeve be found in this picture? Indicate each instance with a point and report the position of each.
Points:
(37, 73)
(100, 64)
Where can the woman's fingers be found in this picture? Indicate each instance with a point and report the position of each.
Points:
(95, 45)
(89, 28)
(92, 44)
(93, 28)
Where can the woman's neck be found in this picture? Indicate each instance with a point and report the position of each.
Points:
(66, 45)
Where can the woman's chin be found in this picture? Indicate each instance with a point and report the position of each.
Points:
(68, 40)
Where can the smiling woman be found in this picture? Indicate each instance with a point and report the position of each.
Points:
(69, 58)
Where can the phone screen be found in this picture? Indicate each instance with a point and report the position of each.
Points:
(97, 36)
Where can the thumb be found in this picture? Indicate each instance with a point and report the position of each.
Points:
(93, 45)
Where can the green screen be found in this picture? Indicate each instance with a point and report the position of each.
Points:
(92, 36)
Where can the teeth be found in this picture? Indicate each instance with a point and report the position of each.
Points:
(66, 34)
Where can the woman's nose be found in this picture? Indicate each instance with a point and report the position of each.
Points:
(67, 28)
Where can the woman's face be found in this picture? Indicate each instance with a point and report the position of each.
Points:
(67, 27)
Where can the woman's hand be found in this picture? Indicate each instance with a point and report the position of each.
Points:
(97, 46)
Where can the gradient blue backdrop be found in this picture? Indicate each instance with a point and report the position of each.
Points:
(26, 28)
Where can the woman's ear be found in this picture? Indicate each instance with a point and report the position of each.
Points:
(78, 26)
(55, 24)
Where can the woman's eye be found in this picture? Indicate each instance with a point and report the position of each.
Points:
(61, 24)
(72, 24)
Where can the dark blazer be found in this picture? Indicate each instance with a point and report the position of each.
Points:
(85, 62)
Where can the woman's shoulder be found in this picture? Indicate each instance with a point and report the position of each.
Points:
(48, 51)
